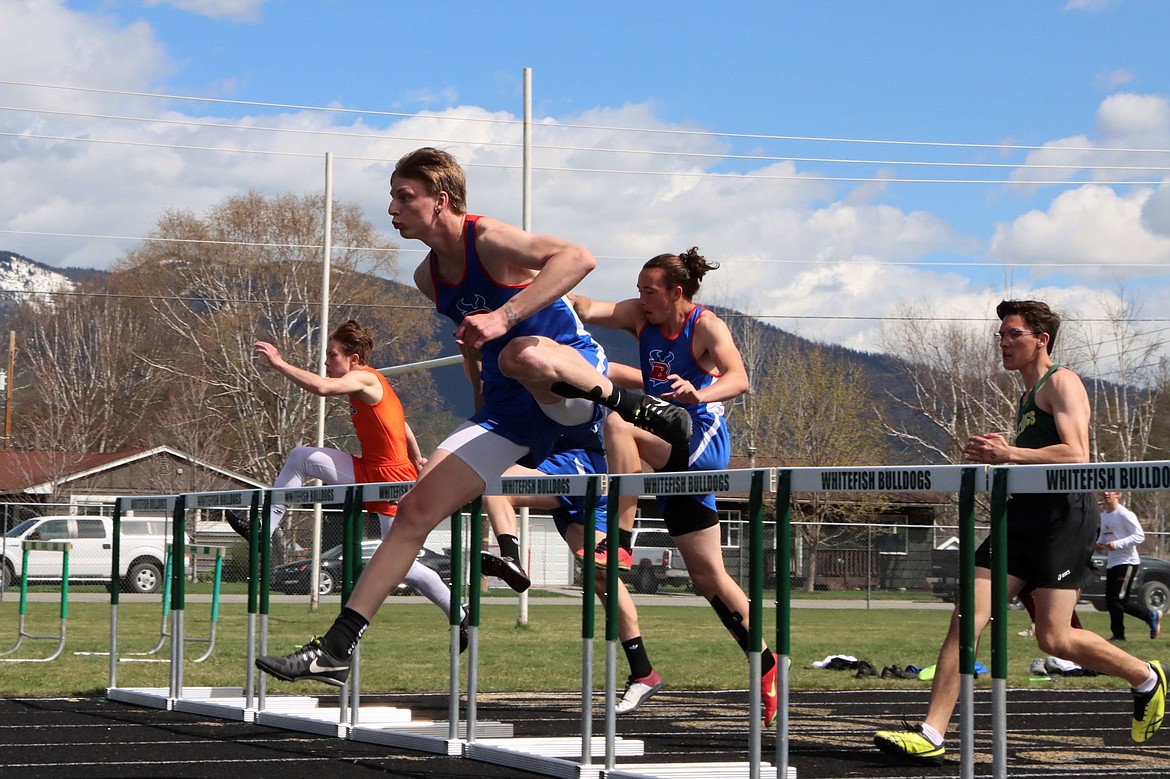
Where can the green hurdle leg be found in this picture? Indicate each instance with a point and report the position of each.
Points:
(41, 546)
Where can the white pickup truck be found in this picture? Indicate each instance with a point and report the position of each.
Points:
(656, 561)
(142, 557)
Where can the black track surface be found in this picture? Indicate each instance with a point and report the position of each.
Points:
(1054, 733)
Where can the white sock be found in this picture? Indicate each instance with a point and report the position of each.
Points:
(932, 735)
(1148, 684)
(430, 584)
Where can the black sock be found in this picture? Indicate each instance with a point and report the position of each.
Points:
(509, 546)
(626, 539)
(767, 660)
(342, 638)
(637, 658)
(621, 400)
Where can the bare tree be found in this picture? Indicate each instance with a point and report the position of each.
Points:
(820, 409)
(951, 385)
(251, 270)
(84, 388)
(1129, 372)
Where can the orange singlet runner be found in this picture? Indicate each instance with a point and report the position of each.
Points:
(381, 431)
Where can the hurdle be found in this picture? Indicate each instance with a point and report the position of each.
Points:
(438, 737)
(550, 756)
(303, 714)
(754, 481)
(1145, 476)
(64, 547)
(965, 480)
(164, 632)
(224, 702)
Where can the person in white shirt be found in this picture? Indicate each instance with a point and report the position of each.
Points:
(1120, 535)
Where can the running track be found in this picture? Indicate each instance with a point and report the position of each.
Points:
(1055, 733)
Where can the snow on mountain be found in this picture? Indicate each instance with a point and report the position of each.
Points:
(20, 276)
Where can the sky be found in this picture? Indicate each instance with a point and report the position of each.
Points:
(842, 160)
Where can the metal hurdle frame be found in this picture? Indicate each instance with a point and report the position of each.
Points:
(434, 737)
(553, 756)
(754, 481)
(155, 697)
(1143, 476)
(961, 479)
(530, 754)
(64, 547)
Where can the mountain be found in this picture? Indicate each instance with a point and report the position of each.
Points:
(20, 276)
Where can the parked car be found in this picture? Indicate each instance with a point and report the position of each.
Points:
(293, 578)
(142, 558)
(1151, 586)
(656, 561)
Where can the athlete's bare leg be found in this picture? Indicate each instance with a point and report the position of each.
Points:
(447, 485)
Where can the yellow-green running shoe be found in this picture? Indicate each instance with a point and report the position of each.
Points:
(909, 745)
(1149, 707)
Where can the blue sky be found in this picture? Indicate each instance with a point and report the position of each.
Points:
(824, 237)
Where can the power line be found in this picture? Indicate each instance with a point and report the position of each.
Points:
(801, 177)
(616, 258)
(649, 130)
(589, 149)
(430, 307)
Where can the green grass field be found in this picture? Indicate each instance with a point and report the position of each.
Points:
(405, 648)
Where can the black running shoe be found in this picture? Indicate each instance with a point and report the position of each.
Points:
(464, 629)
(664, 419)
(239, 523)
(506, 569)
(310, 661)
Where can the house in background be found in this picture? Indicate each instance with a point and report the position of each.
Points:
(35, 483)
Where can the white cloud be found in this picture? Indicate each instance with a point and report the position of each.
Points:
(236, 10)
(1156, 212)
(1111, 79)
(1131, 120)
(45, 43)
(1125, 124)
(790, 245)
(1089, 5)
(1091, 225)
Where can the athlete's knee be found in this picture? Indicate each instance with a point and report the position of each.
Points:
(617, 428)
(705, 582)
(525, 359)
(415, 519)
(1056, 642)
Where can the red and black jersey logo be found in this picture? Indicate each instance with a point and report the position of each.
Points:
(660, 365)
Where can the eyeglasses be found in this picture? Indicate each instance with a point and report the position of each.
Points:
(1012, 335)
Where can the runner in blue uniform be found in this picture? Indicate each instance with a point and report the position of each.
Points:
(542, 378)
(688, 358)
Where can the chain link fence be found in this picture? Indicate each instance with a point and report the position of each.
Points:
(878, 559)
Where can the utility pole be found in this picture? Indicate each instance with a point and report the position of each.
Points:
(8, 390)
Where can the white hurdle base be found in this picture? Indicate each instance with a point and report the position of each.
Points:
(328, 720)
(693, 771)
(550, 756)
(430, 737)
(222, 702)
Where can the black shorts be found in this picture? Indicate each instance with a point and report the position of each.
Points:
(1051, 538)
(684, 514)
